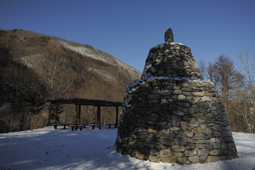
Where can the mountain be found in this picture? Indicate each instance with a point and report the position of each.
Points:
(62, 69)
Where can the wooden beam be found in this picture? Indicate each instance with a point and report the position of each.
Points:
(55, 116)
(81, 101)
(117, 115)
(98, 116)
(75, 117)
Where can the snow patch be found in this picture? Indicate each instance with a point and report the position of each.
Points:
(31, 60)
(49, 149)
(83, 51)
(104, 74)
(93, 53)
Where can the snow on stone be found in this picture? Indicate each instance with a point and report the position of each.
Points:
(132, 87)
(174, 43)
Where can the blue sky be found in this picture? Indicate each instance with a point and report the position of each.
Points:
(127, 29)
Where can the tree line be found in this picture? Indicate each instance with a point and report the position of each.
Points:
(235, 84)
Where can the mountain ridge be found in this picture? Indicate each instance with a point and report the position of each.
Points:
(64, 69)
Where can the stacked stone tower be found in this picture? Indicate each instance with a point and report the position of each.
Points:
(170, 115)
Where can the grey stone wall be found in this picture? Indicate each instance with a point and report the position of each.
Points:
(170, 115)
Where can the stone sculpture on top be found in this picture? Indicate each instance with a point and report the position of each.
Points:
(169, 36)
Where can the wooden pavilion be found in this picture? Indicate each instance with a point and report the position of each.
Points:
(80, 101)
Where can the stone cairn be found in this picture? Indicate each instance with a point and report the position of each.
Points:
(170, 115)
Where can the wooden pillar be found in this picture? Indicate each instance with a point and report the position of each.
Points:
(79, 114)
(117, 114)
(75, 117)
(55, 116)
(98, 116)
(49, 114)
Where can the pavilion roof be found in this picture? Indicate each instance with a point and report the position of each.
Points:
(82, 101)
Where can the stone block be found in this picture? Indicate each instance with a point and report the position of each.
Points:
(208, 131)
(190, 146)
(217, 128)
(165, 153)
(178, 148)
(216, 146)
(203, 152)
(217, 134)
(188, 133)
(179, 113)
(199, 136)
(202, 159)
(178, 154)
(174, 128)
(216, 152)
(174, 123)
(197, 130)
(152, 131)
(153, 152)
(181, 97)
(168, 136)
(193, 159)
(166, 92)
(181, 160)
(225, 146)
(177, 92)
(141, 156)
(151, 145)
(161, 123)
(191, 140)
(226, 133)
(193, 99)
(151, 139)
(184, 125)
(194, 123)
(197, 94)
(215, 158)
(181, 140)
(150, 96)
(171, 159)
(152, 118)
(166, 142)
(153, 158)
(204, 141)
(191, 152)
(205, 99)
(201, 146)
(187, 89)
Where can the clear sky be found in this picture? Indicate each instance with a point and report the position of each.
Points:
(127, 29)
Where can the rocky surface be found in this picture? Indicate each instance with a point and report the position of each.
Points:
(170, 115)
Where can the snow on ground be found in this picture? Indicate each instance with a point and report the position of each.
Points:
(47, 148)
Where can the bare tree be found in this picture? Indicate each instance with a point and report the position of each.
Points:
(246, 62)
(212, 73)
(225, 76)
(53, 75)
(203, 69)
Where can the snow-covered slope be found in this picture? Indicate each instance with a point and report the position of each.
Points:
(96, 54)
(47, 149)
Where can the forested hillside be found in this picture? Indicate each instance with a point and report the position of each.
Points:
(35, 67)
